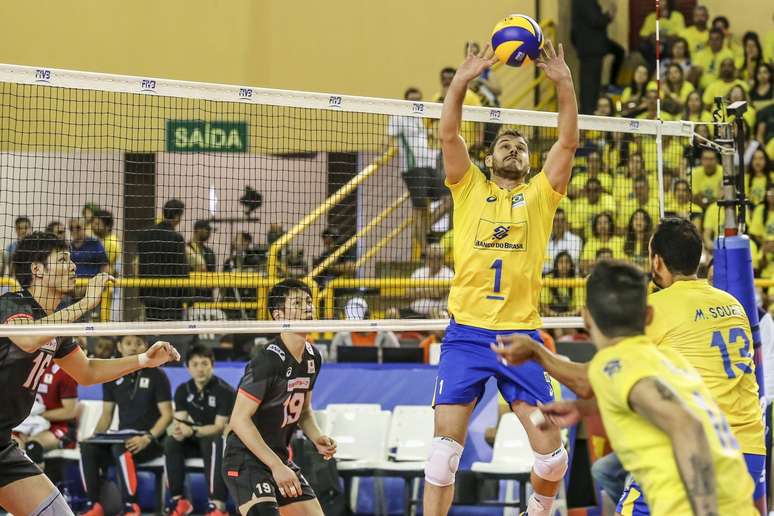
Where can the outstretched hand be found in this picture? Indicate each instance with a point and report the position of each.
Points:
(160, 353)
(559, 414)
(475, 64)
(552, 63)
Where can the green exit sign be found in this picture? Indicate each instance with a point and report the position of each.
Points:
(199, 136)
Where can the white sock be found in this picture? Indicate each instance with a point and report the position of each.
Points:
(539, 505)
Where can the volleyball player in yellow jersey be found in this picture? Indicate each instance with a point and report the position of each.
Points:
(501, 231)
(710, 329)
(659, 415)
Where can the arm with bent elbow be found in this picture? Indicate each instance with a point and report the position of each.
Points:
(654, 400)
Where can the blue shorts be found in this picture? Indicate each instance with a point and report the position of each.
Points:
(633, 501)
(467, 363)
(756, 465)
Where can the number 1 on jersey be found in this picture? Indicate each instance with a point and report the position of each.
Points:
(497, 265)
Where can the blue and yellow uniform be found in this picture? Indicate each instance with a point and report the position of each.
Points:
(710, 329)
(500, 238)
(644, 449)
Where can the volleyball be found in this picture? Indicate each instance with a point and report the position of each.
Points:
(517, 40)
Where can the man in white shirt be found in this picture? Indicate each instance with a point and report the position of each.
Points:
(429, 300)
(562, 239)
(417, 166)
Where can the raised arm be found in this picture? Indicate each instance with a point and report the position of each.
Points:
(558, 165)
(455, 151)
(518, 348)
(657, 402)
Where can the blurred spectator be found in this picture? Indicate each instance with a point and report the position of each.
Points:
(23, 227)
(651, 106)
(679, 55)
(692, 153)
(102, 227)
(706, 178)
(762, 224)
(561, 301)
(738, 93)
(602, 237)
(418, 168)
(202, 407)
(86, 252)
(562, 240)
(104, 347)
(201, 257)
(589, 36)
(583, 211)
(240, 247)
(640, 199)
(471, 132)
(147, 389)
(679, 202)
(723, 84)
(637, 237)
(697, 34)
(758, 177)
(341, 266)
(87, 214)
(56, 228)
(58, 393)
(675, 90)
(753, 57)
(730, 41)
(595, 168)
(694, 109)
(356, 309)
(623, 184)
(429, 299)
(708, 60)
(671, 25)
(762, 93)
(633, 100)
(605, 106)
(161, 253)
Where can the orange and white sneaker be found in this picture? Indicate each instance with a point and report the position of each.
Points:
(131, 509)
(180, 507)
(212, 510)
(94, 509)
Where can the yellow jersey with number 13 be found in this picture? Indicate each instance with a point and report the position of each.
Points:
(500, 240)
(709, 327)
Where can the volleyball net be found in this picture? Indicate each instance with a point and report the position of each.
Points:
(200, 197)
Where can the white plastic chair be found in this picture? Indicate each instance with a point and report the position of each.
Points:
(88, 416)
(512, 459)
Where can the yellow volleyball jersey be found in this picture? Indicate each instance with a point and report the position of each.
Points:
(644, 449)
(710, 329)
(500, 240)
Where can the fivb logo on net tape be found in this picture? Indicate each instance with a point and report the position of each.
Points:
(148, 86)
(245, 94)
(334, 101)
(43, 75)
(417, 108)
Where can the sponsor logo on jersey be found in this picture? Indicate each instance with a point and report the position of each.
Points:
(144, 383)
(48, 378)
(612, 367)
(211, 401)
(298, 383)
(189, 398)
(309, 348)
(500, 236)
(51, 345)
(289, 372)
(277, 350)
(310, 366)
(120, 381)
(491, 198)
(518, 201)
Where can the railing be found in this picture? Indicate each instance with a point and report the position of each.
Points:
(322, 209)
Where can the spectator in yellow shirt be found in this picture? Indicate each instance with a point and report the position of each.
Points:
(561, 301)
(679, 202)
(623, 184)
(602, 237)
(583, 211)
(758, 176)
(694, 109)
(633, 101)
(102, 226)
(594, 168)
(638, 199)
(706, 178)
(471, 132)
(753, 57)
(675, 90)
(738, 93)
(671, 24)
(708, 60)
(697, 33)
(762, 225)
(637, 237)
(723, 84)
(762, 92)
(729, 40)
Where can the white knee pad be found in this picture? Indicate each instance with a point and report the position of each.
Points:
(443, 461)
(551, 467)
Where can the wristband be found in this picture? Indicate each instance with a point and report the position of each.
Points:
(143, 359)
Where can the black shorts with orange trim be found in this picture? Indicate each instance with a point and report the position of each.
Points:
(248, 479)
